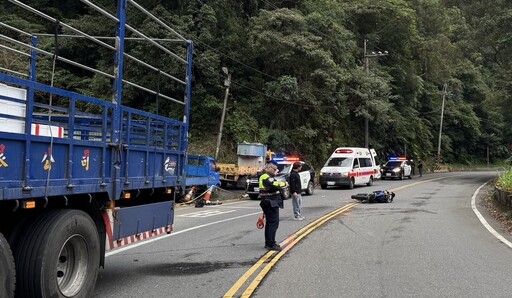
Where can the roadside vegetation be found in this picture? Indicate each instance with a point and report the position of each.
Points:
(504, 181)
(497, 209)
(306, 74)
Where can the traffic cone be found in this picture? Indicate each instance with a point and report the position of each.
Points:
(208, 195)
(190, 194)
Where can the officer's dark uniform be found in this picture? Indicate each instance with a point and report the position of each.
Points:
(420, 167)
(270, 203)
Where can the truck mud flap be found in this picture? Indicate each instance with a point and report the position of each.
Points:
(130, 221)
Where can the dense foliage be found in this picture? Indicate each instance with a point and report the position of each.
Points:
(299, 82)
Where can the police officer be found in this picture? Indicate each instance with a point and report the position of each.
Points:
(420, 167)
(271, 201)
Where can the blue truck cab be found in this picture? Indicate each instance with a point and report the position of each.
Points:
(202, 171)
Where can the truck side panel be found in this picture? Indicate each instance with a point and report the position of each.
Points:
(52, 164)
(83, 157)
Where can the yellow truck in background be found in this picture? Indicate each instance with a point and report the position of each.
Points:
(251, 159)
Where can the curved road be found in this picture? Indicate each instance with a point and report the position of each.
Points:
(427, 243)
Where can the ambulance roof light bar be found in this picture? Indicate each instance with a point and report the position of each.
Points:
(343, 151)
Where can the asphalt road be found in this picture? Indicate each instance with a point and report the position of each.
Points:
(427, 243)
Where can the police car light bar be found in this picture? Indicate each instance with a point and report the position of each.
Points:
(286, 158)
(292, 158)
(397, 158)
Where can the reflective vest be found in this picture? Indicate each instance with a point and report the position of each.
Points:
(269, 184)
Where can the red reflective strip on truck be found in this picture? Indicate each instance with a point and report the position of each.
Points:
(110, 244)
(140, 237)
(108, 228)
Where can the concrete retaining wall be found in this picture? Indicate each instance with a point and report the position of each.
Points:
(503, 197)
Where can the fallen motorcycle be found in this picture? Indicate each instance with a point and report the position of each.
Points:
(380, 196)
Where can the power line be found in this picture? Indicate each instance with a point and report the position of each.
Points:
(270, 4)
(284, 100)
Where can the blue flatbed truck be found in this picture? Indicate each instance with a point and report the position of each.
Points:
(80, 176)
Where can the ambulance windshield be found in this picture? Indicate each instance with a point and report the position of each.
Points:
(339, 162)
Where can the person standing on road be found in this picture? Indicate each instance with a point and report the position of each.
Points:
(296, 190)
(420, 167)
(271, 201)
(412, 167)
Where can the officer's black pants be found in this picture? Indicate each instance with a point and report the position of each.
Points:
(271, 225)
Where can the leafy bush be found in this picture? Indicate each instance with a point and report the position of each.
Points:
(505, 180)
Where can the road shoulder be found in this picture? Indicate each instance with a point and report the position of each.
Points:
(495, 216)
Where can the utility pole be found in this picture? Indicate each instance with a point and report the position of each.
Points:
(367, 67)
(488, 141)
(366, 121)
(445, 92)
(227, 83)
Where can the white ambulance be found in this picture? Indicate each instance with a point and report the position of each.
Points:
(350, 166)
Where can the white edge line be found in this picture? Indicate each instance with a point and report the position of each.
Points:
(116, 251)
(484, 222)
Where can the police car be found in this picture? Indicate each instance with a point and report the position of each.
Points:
(284, 166)
(396, 167)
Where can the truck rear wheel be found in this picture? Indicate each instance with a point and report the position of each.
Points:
(7, 273)
(58, 256)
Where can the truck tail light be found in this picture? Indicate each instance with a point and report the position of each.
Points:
(29, 204)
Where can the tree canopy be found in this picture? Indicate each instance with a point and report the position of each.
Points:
(299, 80)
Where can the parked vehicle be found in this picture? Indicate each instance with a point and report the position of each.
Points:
(398, 167)
(202, 171)
(284, 166)
(80, 175)
(251, 159)
(349, 167)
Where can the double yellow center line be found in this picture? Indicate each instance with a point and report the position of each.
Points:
(271, 258)
(290, 242)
